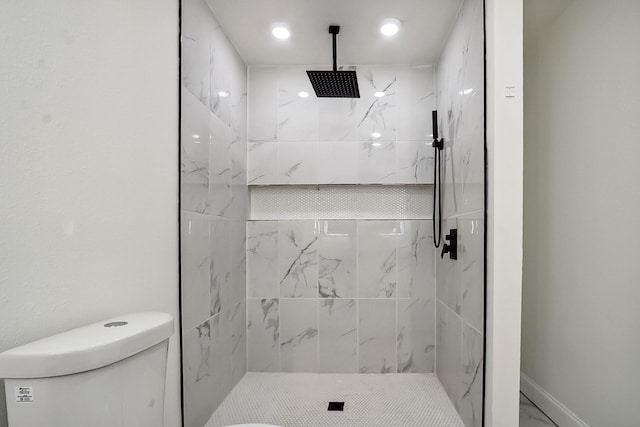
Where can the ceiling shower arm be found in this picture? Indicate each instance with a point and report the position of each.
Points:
(334, 30)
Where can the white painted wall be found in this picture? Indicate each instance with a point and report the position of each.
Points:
(580, 298)
(88, 167)
(504, 206)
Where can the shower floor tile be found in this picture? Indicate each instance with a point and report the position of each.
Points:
(301, 400)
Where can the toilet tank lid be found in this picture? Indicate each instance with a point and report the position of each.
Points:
(88, 347)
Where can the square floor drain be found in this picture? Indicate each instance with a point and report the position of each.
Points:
(336, 406)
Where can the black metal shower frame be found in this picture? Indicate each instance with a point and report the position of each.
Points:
(486, 196)
(485, 219)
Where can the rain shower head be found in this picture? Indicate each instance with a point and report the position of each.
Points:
(334, 84)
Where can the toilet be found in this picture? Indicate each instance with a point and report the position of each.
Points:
(107, 374)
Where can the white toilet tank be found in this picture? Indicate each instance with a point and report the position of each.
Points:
(108, 374)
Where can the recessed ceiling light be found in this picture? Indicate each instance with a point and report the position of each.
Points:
(223, 94)
(379, 94)
(390, 26)
(376, 135)
(196, 136)
(376, 144)
(280, 31)
(303, 94)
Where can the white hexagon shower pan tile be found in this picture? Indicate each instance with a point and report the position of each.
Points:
(370, 400)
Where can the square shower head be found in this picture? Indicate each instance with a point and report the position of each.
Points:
(335, 84)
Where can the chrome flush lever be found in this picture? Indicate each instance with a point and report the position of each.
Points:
(451, 248)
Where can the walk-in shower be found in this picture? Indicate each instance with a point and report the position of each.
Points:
(312, 291)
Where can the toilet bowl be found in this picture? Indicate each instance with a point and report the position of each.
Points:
(108, 374)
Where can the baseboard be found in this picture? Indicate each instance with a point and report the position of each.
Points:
(551, 406)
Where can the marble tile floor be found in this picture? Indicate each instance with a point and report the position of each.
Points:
(531, 416)
(301, 400)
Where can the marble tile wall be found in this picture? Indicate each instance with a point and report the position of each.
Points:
(214, 202)
(341, 296)
(460, 318)
(312, 140)
(460, 284)
(350, 296)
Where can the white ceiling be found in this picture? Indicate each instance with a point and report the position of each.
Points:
(425, 29)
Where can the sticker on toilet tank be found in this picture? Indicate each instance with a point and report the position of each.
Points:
(24, 394)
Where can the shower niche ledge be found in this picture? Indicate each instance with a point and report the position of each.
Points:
(353, 201)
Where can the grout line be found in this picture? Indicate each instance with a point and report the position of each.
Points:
(395, 341)
(357, 299)
(318, 230)
(395, 329)
(279, 353)
(318, 367)
(246, 297)
(319, 242)
(277, 71)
